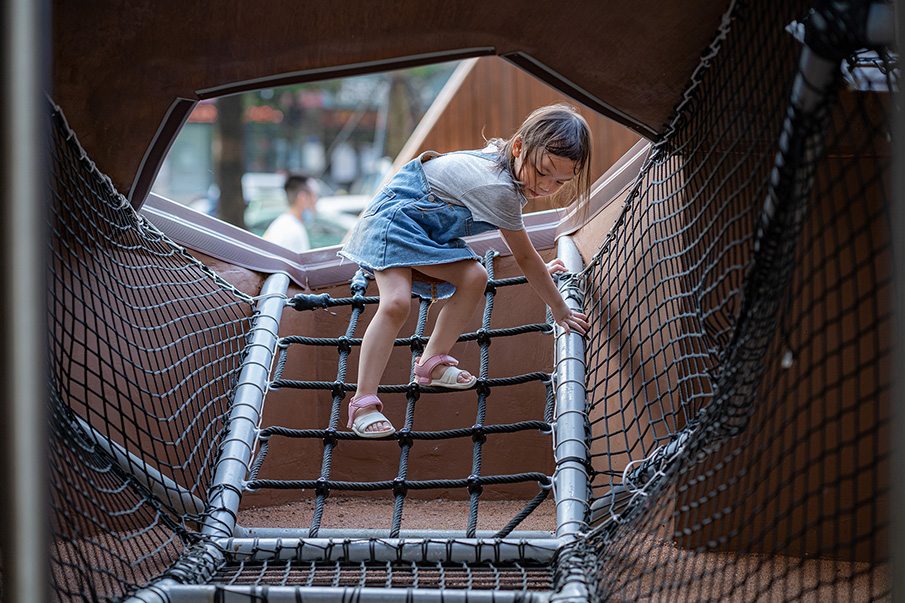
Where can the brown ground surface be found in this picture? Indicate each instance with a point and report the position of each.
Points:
(438, 514)
(695, 576)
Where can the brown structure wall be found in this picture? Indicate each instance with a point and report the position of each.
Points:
(120, 68)
(490, 98)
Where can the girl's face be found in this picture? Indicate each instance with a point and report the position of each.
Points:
(542, 174)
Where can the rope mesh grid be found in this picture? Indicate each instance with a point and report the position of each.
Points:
(740, 310)
(144, 347)
(406, 436)
(737, 396)
(464, 576)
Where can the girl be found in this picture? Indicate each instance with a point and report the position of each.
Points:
(410, 238)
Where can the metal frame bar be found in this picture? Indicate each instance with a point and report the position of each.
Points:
(163, 487)
(571, 450)
(897, 421)
(225, 492)
(570, 446)
(268, 532)
(348, 548)
(24, 527)
(172, 592)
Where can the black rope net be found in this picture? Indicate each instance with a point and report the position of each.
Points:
(737, 368)
(144, 347)
(738, 380)
(406, 435)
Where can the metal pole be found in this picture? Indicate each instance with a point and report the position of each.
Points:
(163, 487)
(571, 451)
(897, 466)
(25, 531)
(184, 593)
(225, 493)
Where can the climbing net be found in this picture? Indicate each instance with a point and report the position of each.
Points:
(475, 482)
(145, 346)
(741, 306)
(733, 432)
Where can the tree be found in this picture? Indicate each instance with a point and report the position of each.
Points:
(229, 160)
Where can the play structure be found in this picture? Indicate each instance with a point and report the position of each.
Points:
(723, 433)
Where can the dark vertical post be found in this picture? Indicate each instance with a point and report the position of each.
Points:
(897, 466)
(23, 511)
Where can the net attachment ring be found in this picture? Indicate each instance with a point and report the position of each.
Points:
(474, 485)
(400, 488)
(322, 487)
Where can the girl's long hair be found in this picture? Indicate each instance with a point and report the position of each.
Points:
(559, 130)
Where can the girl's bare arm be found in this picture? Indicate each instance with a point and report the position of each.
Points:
(538, 274)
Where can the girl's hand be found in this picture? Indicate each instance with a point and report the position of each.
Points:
(572, 319)
(556, 266)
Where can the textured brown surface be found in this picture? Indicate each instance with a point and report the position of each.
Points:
(678, 574)
(119, 67)
(363, 513)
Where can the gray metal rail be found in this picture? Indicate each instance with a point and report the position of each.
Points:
(172, 592)
(245, 417)
(165, 488)
(570, 447)
(571, 432)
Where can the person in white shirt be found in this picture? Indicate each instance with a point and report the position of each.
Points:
(289, 230)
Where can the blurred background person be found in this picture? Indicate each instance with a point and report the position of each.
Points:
(289, 229)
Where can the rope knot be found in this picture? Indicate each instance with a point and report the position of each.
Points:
(413, 391)
(474, 485)
(343, 344)
(405, 437)
(308, 301)
(322, 487)
(359, 283)
(399, 487)
(330, 437)
(338, 389)
(417, 343)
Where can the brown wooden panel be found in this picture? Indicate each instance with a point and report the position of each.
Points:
(492, 102)
(118, 66)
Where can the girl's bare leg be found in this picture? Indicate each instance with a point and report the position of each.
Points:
(470, 280)
(395, 288)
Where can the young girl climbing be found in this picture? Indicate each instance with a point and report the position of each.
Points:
(409, 237)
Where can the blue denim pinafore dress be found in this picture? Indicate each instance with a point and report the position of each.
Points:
(407, 225)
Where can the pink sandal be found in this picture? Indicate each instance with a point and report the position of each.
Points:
(359, 424)
(450, 378)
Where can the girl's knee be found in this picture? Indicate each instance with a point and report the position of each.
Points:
(475, 277)
(395, 308)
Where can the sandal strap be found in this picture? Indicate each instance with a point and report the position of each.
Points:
(357, 404)
(423, 371)
(371, 419)
(451, 376)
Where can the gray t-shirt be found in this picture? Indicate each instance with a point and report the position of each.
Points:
(480, 185)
